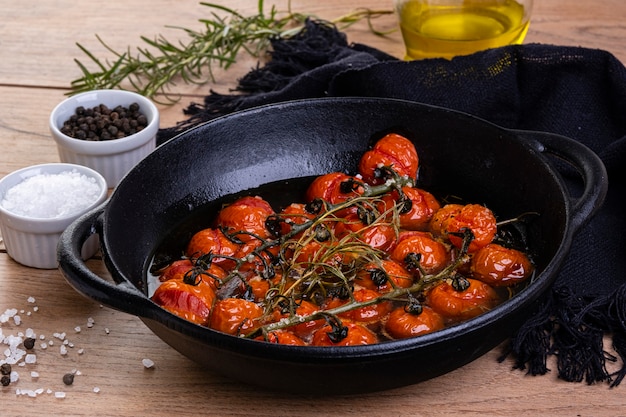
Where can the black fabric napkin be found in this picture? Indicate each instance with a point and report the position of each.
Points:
(572, 91)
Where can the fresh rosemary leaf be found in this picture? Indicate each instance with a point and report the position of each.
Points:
(155, 67)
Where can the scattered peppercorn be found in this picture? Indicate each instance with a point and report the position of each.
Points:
(29, 343)
(101, 123)
(5, 369)
(6, 380)
(68, 379)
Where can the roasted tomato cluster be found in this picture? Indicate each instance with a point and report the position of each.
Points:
(366, 258)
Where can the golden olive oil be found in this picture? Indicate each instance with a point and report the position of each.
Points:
(434, 30)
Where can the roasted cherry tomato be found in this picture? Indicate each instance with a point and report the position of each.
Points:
(392, 150)
(212, 241)
(478, 218)
(335, 188)
(256, 260)
(401, 324)
(235, 316)
(432, 255)
(451, 303)
(500, 266)
(422, 206)
(439, 222)
(259, 287)
(247, 215)
(367, 315)
(186, 295)
(384, 277)
(322, 253)
(305, 329)
(355, 334)
(294, 214)
(282, 337)
(378, 235)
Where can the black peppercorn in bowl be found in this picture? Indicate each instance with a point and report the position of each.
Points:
(178, 188)
(109, 131)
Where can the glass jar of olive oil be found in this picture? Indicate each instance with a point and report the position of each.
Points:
(448, 28)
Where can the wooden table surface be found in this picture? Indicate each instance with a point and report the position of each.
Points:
(37, 51)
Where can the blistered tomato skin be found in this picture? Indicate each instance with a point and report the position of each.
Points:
(366, 315)
(304, 330)
(478, 298)
(392, 150)
(357, 334)
(334, 188)
(384, 277)
(380, 235)
(499, 266)
(402, 324)
(294, 214)
(235, 316)
(423, 206)
(248, 214)
(434, 255)
(478, 218)
(282, 337)
(192, 302)
(212, 241)
(439, 222)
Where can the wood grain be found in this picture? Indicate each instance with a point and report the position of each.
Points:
(37, 49)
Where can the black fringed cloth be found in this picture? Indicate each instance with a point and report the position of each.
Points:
(576, 92)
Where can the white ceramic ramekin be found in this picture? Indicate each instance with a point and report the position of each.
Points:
(111, 158)
(32, 241)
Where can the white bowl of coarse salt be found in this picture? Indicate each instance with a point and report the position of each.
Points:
(39, 202)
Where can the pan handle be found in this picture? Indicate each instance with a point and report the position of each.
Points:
(588, 164)
(123, 296)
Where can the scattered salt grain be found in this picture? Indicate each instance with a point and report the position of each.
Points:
(96, 389)
(30, 358)
(81, 351)
(34, 374)
(77, 329)
(59, 394)
(63, 350)
(31, 299)
(52, 195)
(147, 363)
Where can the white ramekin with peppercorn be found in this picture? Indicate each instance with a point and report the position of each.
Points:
(109, 131)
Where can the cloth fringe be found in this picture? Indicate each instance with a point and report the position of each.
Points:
(573, 329)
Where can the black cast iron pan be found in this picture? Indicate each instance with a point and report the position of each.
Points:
(174, 190)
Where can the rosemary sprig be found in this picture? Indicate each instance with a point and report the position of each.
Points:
(155, 68)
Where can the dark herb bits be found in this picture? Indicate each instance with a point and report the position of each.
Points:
(100, 123)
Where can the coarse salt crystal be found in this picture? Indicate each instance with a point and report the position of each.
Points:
(30, 358)
(96, 389)
(52, 195)
(59, 394)
(148, 363)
